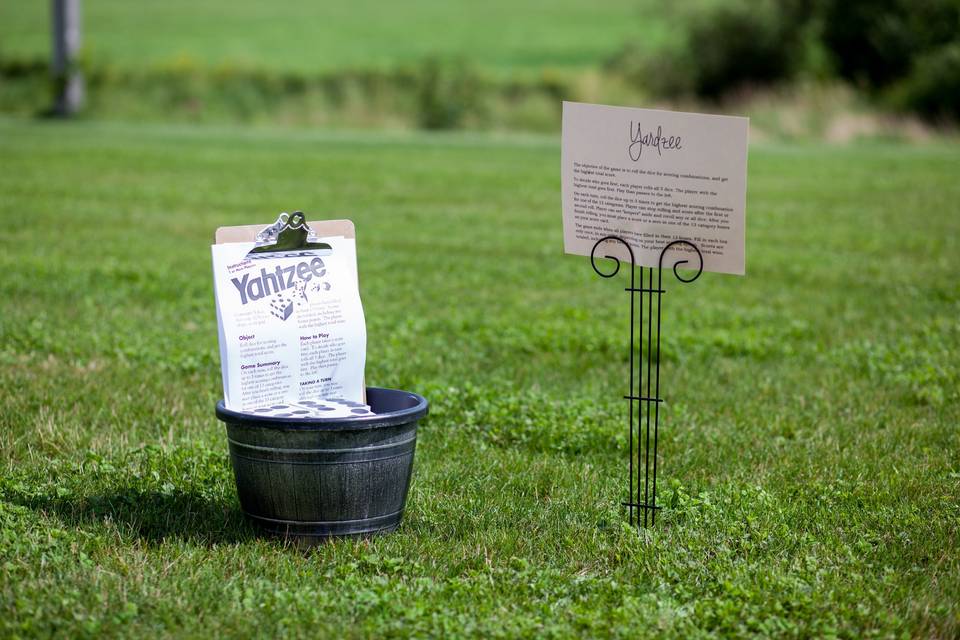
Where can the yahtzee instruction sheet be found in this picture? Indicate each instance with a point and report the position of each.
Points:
(292, 330)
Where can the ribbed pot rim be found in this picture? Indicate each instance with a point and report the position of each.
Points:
(377, 420)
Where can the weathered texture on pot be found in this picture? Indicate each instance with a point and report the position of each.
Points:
(321, 478)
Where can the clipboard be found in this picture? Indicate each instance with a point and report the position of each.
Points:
(289, 233)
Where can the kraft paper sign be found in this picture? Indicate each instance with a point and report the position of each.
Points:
(651, 177)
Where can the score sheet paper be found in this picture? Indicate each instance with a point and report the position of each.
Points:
(651, 177)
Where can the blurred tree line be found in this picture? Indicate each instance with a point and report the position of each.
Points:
(904, 53)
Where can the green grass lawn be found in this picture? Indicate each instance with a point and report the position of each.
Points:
(308, 36)
(810, 452)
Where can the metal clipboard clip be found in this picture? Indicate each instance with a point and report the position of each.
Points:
(290, 236)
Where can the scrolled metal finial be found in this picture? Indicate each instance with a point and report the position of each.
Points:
(682, 262)
(616, 260)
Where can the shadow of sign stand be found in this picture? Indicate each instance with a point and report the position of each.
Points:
(644, 402)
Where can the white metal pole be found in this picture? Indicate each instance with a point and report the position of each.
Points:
(68, 81)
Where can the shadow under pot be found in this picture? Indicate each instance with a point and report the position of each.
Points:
(313, 479)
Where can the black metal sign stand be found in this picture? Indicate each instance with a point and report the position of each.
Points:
(645, 401)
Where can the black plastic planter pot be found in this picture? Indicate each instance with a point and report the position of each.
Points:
(322, 478)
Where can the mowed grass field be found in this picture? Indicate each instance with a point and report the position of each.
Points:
(500, 36)
(810, 466)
